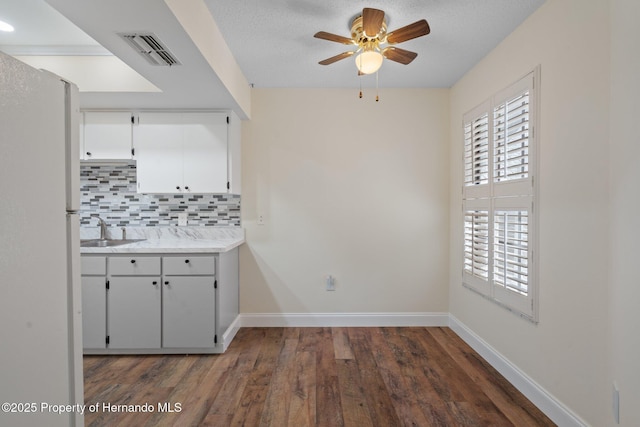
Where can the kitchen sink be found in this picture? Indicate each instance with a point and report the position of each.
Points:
(104, 243)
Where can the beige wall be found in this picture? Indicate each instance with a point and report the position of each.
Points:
(347, 187)
(370, 205)
(565, 353)
(625, 205)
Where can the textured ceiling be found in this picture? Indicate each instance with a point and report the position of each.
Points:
(274, 45)
(272, 41)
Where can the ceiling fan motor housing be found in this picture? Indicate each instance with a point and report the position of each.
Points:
(359, 36)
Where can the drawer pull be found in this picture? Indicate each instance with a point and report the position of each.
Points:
(133, 261)
(186, 261)
(166, 283)
(155, 283)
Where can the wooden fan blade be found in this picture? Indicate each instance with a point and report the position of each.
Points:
(372, 21)
(399, 55)
(333, 37)
(411, 31)
(336, 58)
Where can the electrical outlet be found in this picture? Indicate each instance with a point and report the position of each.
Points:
(330, 283)
(182, 219)
(260, 219)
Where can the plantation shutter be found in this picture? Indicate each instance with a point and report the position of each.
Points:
(476, 243)
(498, 192)
(511, 139)
(511, 251)
(476, 152)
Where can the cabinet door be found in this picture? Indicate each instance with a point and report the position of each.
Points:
(134, 312)
(158, 142)
(107, 135)
(94, 312)
(188, 312)
(205, 152)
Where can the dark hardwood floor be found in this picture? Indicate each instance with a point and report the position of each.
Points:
(297, 377)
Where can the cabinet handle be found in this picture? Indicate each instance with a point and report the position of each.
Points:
(186, 261)
(133, 261)
(166, 283)
(186, 188)
(177, 187)
(88, 153)
(155, 283)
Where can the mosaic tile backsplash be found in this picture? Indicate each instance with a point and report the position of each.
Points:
(110, 192)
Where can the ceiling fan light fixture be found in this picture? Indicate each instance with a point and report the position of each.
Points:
(369, 61)
(369, 35)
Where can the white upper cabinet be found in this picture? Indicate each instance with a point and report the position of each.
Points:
(182, 152)
(106, 135)
(204, 152)
(159, 152)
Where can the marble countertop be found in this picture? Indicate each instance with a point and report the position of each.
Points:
(167, 239)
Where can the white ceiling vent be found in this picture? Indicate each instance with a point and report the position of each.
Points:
(149, 46)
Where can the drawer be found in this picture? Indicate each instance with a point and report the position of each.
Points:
(188, 265)
(93, 265)
(134, 266)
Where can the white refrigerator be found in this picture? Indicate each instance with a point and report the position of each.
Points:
(40, 301)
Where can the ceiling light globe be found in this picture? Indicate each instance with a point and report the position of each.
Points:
(369, 62)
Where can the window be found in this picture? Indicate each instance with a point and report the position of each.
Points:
(498, 197)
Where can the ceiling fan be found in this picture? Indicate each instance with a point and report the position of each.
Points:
(369, 34)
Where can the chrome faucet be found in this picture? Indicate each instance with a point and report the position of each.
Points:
(103, 228)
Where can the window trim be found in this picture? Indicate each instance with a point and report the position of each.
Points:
(514, 194)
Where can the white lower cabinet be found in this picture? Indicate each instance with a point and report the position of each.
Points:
(189, 301)
(159, 304)
(134, 296)
(94, 312)
(188, 312)
(94, 301)
(134, 312)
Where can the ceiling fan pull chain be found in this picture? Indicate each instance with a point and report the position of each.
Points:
(377, 99)
(360, 82)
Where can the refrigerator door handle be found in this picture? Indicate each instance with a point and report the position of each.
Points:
(72, 147)
(74, 298)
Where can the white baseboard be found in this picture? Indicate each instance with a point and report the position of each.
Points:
(545, 401)
(343, 319)
(231, 332)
